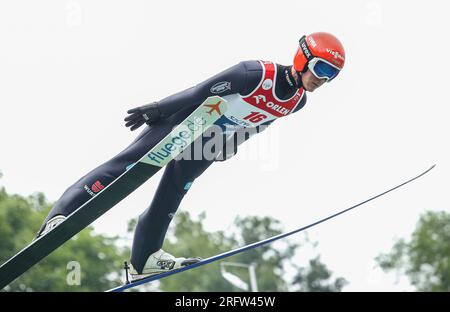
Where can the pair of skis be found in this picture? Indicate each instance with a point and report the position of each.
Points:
(157, 157)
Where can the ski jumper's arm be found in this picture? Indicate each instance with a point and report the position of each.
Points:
(230, 81)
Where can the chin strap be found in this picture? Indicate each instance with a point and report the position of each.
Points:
(299, 80)
(291, 80)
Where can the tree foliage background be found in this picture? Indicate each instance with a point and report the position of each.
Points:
(425, 257)
(101, 259)
(97, 255)
(187, 237)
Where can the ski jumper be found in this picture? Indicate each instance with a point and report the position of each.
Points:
(257, 92)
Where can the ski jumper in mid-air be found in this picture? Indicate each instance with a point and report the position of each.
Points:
(257, 93)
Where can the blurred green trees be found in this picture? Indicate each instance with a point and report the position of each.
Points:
(425, 257)
(95, 255)
(187, 237)
(99, 259)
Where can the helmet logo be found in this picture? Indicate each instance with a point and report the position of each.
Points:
(312, 41)
(336, 54)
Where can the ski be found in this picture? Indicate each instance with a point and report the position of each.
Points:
(136, 174)
(256, 244)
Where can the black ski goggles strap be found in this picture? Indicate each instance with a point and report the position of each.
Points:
(304, 46)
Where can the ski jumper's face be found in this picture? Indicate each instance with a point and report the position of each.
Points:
(311, 82)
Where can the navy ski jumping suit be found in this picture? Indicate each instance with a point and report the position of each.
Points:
(241, 80)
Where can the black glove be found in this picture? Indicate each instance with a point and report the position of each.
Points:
(148, 114)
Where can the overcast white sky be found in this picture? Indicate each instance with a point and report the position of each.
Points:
(69, 70)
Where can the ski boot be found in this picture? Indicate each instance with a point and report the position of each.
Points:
(50, 225)
(160, 262)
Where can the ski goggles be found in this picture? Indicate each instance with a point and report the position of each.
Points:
(323, 69)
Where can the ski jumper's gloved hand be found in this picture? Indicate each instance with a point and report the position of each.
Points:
(148, 114)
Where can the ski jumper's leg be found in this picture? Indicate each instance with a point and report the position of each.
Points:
(154, 222)
(93, 182)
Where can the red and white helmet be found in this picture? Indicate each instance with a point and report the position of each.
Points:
(322, 53)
